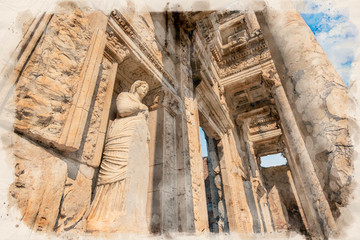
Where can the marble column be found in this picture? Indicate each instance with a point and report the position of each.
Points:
(278, 210)
(196, 165)
(232, 173)
(301, 210)
(259, 190)
(300, 161)
(317, 95)
(250, 150)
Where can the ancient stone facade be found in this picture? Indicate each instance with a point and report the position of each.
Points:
(238, 75)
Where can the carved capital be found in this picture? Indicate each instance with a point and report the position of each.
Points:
(161, 97)
(270, 78)
(116, 46)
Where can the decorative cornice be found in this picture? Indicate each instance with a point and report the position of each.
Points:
(243, 65)
(244, 52)
(136, 38)
(209, 103)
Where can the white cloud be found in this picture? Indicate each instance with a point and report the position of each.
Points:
(341, 42)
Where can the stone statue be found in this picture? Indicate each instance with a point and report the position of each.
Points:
(121, 192)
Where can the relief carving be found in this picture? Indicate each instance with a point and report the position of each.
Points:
(121, 191)
(242, 64)
(270, 78)
(90, 149)
(136, 38)
(51, 77)
(116, 46)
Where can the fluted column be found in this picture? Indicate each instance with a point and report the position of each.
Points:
(317, 96)
(319, 210)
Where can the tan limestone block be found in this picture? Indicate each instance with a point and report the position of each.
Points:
(76, 200)
(39, 182)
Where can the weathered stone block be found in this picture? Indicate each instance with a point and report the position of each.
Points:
(40, 177)
(95, 135)
(75, 201)
(51, 77)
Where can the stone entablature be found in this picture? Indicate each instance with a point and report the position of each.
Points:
(142, 45)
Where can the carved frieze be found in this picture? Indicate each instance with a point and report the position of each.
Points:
(115, 45)
(263, 123)
(235, 44)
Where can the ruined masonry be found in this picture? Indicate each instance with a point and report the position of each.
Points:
(257, 83)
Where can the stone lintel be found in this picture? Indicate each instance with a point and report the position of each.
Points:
(265, 136)
(212, 110)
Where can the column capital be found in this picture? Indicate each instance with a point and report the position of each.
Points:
(270, 78)
(116, 47)
(162, 97)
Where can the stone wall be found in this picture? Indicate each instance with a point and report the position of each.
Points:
(282, 198)
(62, 104)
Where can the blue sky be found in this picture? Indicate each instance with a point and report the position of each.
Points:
(335, 33)
(204, 152)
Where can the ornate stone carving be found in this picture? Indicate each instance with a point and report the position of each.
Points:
(116, 46)
(270, 78)
(121, 192)
(93, 144)
(50, 79)
(245, 63)
(130, 31)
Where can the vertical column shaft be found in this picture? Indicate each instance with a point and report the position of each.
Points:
(196, 166)
(238, 211)
(316, 94)
(257, 183)
(303, 161)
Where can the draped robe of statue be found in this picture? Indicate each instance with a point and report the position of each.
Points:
(121, 192)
